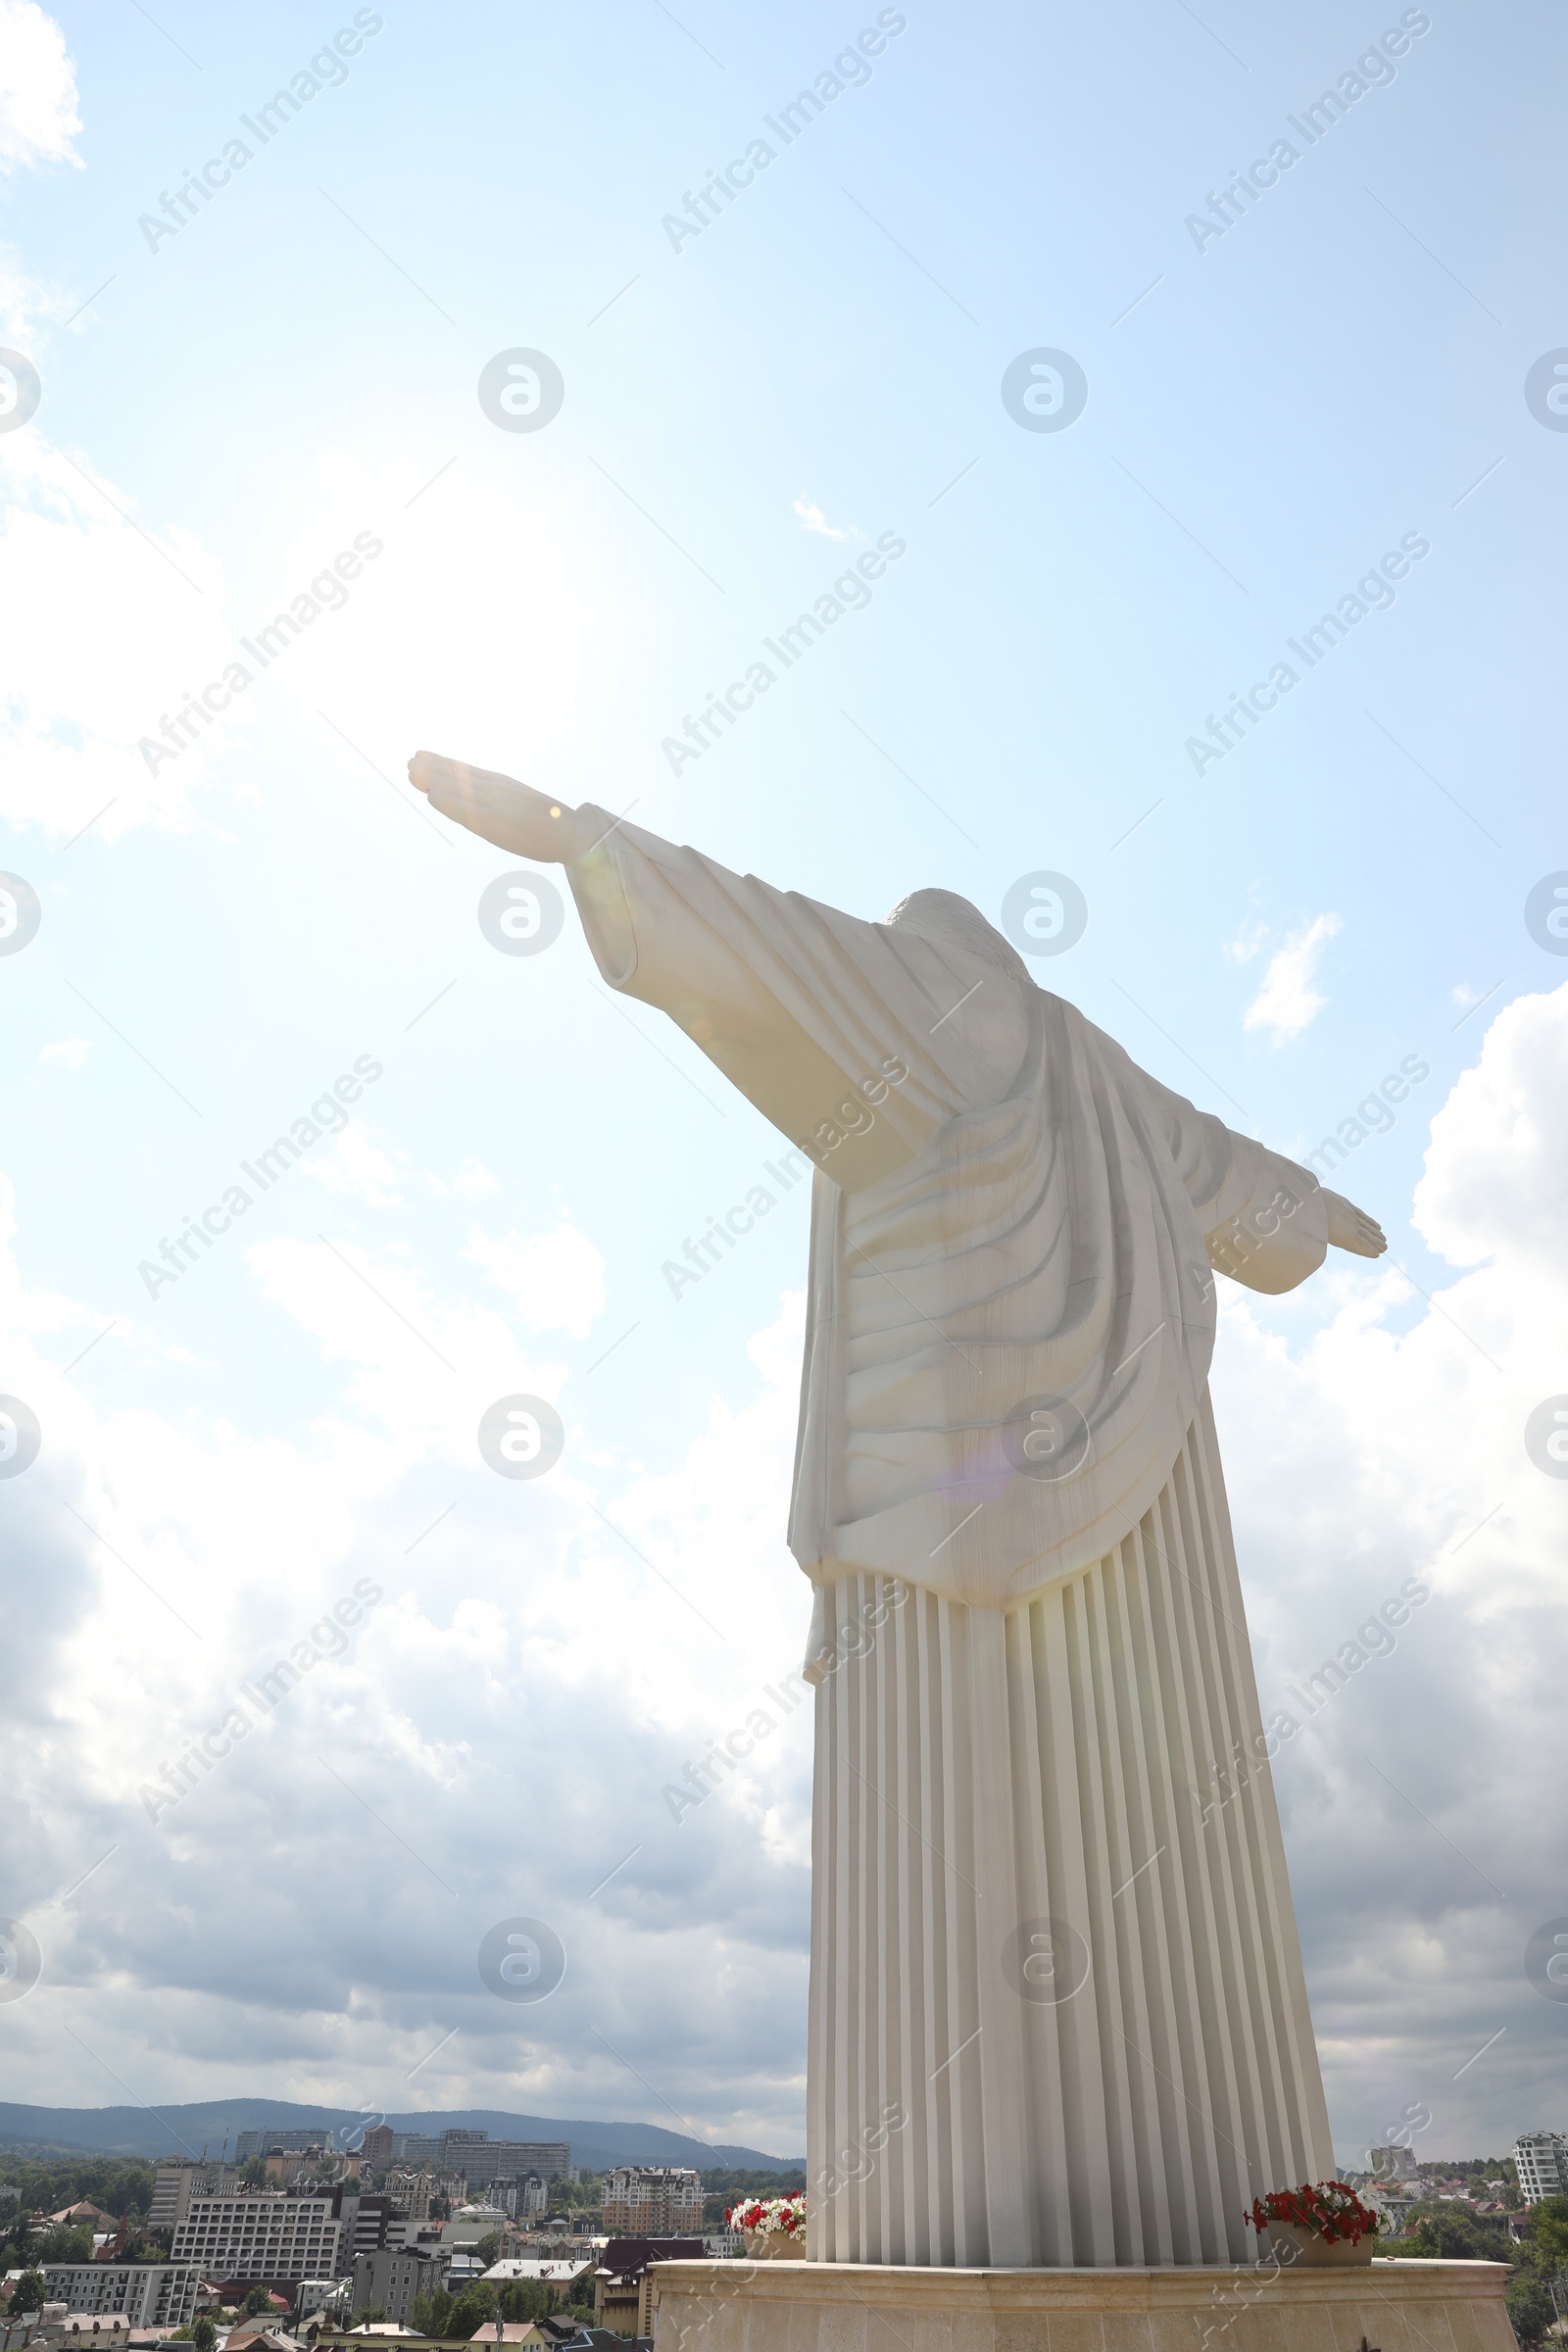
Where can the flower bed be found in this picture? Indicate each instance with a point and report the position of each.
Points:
(1320, 2221)
(772, 2226)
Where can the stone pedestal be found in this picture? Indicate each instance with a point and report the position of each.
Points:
(867, 2307)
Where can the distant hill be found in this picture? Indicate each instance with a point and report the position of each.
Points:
(175, 2131)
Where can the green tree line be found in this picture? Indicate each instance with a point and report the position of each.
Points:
(32, 2185)
(1436, 2232)
(479, 2304)
(120, 2184)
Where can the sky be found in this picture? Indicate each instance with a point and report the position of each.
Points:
(461, 359)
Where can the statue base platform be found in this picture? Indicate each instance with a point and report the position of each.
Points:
(867, 2307)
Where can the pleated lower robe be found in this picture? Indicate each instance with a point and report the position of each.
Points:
(1058, 2013)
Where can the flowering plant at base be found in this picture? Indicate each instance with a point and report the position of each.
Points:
(1326, 2209)
(762, 2217)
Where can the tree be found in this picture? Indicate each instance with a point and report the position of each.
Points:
(473, 2307)
(1448, 2233)
(70, 2242)
(253, 2172)
(1530, 2306)
(17, 2251)
(257, 2300)
(585, 2193)
(203, 2334)
(27, 2293)
(432, 2313)
(525, 2299)
(376, 2317)
(1548, 2233)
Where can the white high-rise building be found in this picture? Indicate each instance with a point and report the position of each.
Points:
(1541, 2159)
(175, 2184)
(151, 2295)
(480, 2158)
(261, 2236)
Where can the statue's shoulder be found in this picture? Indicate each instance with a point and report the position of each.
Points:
(1132, 1080)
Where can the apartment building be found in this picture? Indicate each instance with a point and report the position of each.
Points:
(653, 2200)
(523, 2198)
(481, 2159)
(264, 2235)
(177, 2180)
(394, 2276)
(1541, 2159)
(410, 2192)
(150, 2294)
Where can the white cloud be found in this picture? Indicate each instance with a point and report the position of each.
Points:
(177, 1561)
(356, 1166)
(64, 1054)
(1246, 942)
(422, 1365)
(472, 1180)
(1499, 1144)
(1287, 1001)
(38, 118)
(813, 518)
(556, 1279)
(1392, 1444)
(99, 618)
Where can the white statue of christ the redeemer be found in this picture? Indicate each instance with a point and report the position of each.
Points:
(1057, 2013)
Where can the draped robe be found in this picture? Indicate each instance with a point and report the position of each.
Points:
(1057, 2010)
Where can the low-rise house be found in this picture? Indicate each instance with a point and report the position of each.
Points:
(623, 2284)
(56, 2329)
(561, 2277)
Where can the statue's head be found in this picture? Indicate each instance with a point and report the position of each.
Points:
(947, 921)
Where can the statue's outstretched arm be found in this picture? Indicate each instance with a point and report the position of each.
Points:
(515, 817)
(856, 1049)
(1267, 1221)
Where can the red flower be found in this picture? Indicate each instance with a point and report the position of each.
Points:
(1330, 2210)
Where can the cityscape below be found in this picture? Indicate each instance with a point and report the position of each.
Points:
(426, 2239)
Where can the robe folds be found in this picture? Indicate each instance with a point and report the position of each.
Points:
(1007, 1462)
(1022, 1214)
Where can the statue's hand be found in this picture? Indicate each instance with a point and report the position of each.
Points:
(1350, 1228)
(512, 815)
